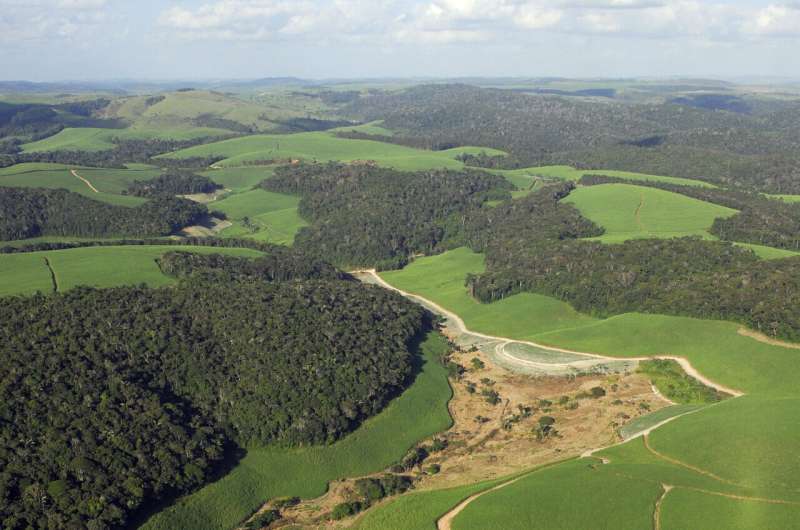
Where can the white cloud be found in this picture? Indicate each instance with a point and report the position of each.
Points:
(776, 20)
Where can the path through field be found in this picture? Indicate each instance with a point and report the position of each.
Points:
(75, 174)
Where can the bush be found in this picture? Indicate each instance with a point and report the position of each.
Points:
(597, 392)
(346, 509)
(264, 519)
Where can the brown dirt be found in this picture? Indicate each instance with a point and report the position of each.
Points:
(85, 181)
(760, 337)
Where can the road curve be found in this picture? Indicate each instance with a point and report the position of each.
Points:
(459, 323)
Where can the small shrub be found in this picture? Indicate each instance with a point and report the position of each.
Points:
(346, 509)
(477, 364)
(491, 396)
(286, 502)
(433, 469)
(598, 392)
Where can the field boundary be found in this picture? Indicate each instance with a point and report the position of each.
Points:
(52, 274)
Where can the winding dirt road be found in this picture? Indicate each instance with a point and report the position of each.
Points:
(458, 322)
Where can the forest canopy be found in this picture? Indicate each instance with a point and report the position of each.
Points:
(104, 412)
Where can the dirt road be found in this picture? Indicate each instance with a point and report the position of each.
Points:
(461, 326)
(75, 174)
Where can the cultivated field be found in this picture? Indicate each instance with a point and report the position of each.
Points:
(322, 146)
(110, 266)
(628, 212)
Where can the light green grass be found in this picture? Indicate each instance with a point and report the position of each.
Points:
(94, 266)
(239, 178)
(684, 508)
(769, 252)
(441, 278)
(24, 274)
(267, 473)
(566, 497)
(319, 146)
(94, 139)
(637, 425)
(109, 182)
(628, 212)
(272, 217)
(570, 173)
(374, 127)
(785, 198)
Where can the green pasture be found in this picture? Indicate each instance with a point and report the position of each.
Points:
(683, 508)
(441, 279)
(110, 183)
(320, 146)
(266, 473)
(110, 266)
(627, 212)
(566, 497)
(239, 178)
(570, 173)
(96, 139)
(262, 215)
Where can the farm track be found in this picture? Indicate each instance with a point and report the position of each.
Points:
(760, 337)
(690, 467)
(461, 326)
(657, 512)
(85, 181)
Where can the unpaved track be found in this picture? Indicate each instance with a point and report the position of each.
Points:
(445, 522)
(461, 326)
(75, 174)
(666, 488)
(760, 337)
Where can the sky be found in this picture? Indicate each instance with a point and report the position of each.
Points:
(49, 40)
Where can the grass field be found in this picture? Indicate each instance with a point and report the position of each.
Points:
(267, 473)
(94, 266)
(239, 178)
(322, 146)
(109, 182)
(262, 215)
(628, 212)
(94, 139)
(570, 173)
(566, 497)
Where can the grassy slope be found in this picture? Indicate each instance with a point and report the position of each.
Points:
(567, 497)
(95, 266)
(321, 146)
(95, 139)
(690, 509)
(441, 278)
(417, 413)
(628, 212)
(109, 182)
(570, 173)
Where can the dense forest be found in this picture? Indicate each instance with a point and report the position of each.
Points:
(34, 212)
(760, 220)
(757, 150)
(173, 182)
(105, 412)
(366, 215)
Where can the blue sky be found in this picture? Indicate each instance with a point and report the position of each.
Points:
(150, 39)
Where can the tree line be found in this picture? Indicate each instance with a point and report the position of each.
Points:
(173, 182)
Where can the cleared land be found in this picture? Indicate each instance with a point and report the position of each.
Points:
(109, 182)
(262, 215)
(94, 139)
(628, 212)
(266, 473)
(93, 266)
(570, 173)
(322, 146)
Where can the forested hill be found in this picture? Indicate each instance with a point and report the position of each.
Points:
(757, 150)
(34, 212)
(104, 412)
(368, 215)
